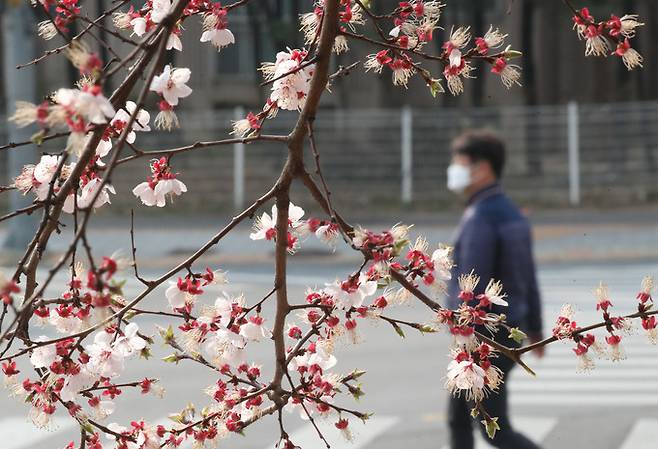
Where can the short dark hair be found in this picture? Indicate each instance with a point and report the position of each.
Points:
(481, 145)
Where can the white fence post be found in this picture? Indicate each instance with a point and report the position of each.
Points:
(573, 145)
(406, 124)
(238, 166)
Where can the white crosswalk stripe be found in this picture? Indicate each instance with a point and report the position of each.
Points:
(535, 428)
(643, 435)
(19, 433)
(307, 436)
(631, 382)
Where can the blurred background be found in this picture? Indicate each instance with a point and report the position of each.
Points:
(391, 143)
(582, 148)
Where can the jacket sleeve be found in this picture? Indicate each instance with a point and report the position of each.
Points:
(478, 247)
(534, 319)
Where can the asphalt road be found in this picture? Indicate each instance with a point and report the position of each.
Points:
(613, 407)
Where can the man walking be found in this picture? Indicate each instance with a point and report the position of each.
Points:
(494, 241)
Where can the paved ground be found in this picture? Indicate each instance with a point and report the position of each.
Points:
(614, 407)
(561, 236)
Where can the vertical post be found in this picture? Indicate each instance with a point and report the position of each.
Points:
(573, 145)
(18, 39)
(406, 124)
(238, 166)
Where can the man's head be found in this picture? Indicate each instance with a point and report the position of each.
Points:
(478, 158)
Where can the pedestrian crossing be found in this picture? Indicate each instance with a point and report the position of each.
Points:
(535, 428)
(18, 433)
(632, 382)
(643, 435)
(306, 437)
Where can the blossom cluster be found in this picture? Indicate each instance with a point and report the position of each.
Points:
(47, 177)
(159, 185)
(567, 329)
(216, 328)
(79, 378)
(65, 14)
(350, 15)
(153, 12)
(612, 36)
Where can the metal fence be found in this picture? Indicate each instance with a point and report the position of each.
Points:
(603, 154)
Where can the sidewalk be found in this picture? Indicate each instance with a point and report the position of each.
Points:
(561, 236)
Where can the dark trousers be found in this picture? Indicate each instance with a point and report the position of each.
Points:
(460, 422)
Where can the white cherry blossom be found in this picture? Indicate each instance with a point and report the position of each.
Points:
(123, 115)
(89, 190)
(351, 293)
(43, 356)
(468, 377)
(171, 84)
(265, 226)
(130, 343)
(90, 104)
(160, 10)
(254, 330)
(218, 37)
(139, 26)
(105, 359)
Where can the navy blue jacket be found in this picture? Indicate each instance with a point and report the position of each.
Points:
(495, 241)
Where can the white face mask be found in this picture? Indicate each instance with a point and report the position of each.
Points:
(459, 177)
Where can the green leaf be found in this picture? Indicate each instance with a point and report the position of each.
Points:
(426, 329)
(474, 412)
(399, 246)
(365, 417)
(87, 428)
(491, 425)
(37, 138)
(145, 353)
(517, 334)
(117, 286)
(357, 392)
(526, 368)
(398, 329)
(357, 373)
(512, 54)
(173, 358)
(166, 334)
(176, 417)
(435, 87)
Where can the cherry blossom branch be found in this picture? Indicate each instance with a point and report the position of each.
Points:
(581, 330)
(118, 98)
(23, 210)
(309, 416)
(300, 67)
(12, 145)
(157, 282)
(318, 170)
(198, 145)
(374, 20)
(78, 36)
